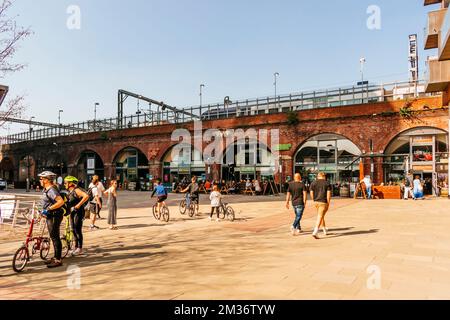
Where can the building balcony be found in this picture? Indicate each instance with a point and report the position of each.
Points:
(435, 21)
(429, 2)
(438, 75)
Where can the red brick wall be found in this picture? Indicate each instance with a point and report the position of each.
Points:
(359, 123)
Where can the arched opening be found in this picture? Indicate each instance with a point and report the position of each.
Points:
(333, 154)
(424, 153)
(183, 161)
(248, 160)
(27, 169)
(132, 168)
(89, 164)
(53, 162)
(7, 170)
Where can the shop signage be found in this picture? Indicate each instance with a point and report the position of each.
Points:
(90, 163)
(423, 168)
(423, 139)
(283, 147)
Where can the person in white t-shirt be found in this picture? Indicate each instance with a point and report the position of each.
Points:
(96, 183)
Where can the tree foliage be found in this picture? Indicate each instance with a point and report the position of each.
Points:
(11, 35)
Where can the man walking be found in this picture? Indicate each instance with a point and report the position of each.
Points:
(321, 194)
(297, 192)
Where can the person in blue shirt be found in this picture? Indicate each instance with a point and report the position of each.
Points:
(161, 193)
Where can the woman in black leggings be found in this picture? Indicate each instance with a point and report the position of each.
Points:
(75, 201)
(52, 204)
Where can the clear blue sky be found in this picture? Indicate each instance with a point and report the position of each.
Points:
(165, 49)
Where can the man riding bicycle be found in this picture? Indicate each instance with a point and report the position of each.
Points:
(161, 193)
(194, 193)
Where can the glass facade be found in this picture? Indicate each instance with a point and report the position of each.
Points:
(333, 154)
(424, 153)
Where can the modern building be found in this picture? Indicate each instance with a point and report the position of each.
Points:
(426, 149)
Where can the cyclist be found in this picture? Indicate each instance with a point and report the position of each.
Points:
(194, 192)
(76, 199)
(161, 194)
(52, 204)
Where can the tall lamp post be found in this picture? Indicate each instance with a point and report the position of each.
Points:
(59, 120)
(275, 75)
(448, 155)
(201, 94)
(362, 61)
(95, 114)
(31, 128)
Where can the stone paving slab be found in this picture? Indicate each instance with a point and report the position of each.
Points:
(255, 257)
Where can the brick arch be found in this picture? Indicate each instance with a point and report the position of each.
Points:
(163, 153)
(76, 153)
(126, 147)
(392, 137)
(299, 145)
(81, 152)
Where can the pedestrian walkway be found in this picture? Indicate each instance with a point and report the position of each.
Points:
(407, 243)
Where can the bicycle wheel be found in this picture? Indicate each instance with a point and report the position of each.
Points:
(191, 210)
(20, 259)
(222, 212)
(230, 214)
(45, 248)
(66, 246)
(165, 214)
(156, 214)
(182, 207)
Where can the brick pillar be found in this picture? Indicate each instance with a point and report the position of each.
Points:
(155, 169)
(109, 171)
(72, 170)
(216, 171)
(378, 176)
(288, 167)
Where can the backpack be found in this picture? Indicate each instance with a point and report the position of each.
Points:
(91, 194)
(64, 209)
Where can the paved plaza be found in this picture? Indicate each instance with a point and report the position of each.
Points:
(404, 246)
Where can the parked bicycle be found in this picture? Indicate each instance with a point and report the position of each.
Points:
(163, 213)
(226, 211)
(39, 244)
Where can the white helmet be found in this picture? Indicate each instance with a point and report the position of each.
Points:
(48, 174)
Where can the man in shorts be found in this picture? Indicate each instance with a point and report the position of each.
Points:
(161, 193)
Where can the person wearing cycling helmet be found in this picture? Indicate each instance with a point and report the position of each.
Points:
(52, 202)
(76, 199)
(161, 193)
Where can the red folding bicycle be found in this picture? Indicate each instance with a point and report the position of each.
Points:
(32, 244)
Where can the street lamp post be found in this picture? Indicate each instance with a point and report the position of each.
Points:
(31, 128)
(361, 62)
(448, 155)
(275, 75)
(201, 94)
(95, 114)
(59, 120)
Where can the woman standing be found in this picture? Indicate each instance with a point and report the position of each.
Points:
(77, 198)
(112, 205)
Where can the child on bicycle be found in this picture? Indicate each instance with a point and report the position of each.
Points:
(194, 192)
(215, 198)
(161, 193)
